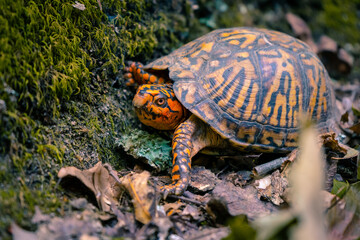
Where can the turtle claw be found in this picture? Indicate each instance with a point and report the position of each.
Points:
(167, 190)
(177, 188)
(130, 71)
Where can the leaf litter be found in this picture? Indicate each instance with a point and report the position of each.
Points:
(129, 205)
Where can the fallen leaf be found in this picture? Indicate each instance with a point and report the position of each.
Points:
(336, 60)
(104, 187)
(79, 203)
(272, 187)
(202, 180)
(192, 211)
(345, 117)
(355, 128)
(228, 200)
(173, 208)
(344, 161)
(164, 225)
(142, 194)
(350, 153)
(70, 227)
(20, 234)
(206, 234)
(88, 237)
(39, 217)
(239, 178)
(301, 30)
(328, 140)
(343, 218)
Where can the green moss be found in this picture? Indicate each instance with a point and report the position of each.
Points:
(58, 107)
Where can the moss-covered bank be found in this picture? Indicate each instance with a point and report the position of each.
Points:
(57, 104)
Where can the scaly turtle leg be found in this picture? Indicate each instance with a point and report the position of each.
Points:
(135, 75)
(189, 138)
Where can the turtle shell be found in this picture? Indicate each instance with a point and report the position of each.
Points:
(251, 86)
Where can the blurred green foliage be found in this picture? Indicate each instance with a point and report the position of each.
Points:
(340, 188)
(241, 229)
(341, 18)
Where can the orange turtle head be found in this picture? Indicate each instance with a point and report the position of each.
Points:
(157, 106)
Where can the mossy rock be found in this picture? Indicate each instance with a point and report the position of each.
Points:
(149, 148)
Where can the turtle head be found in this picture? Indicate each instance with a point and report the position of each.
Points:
(157, 106)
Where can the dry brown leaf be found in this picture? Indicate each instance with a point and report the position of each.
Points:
(173, 208)
(345, 117)
(105, 188)
(164, 224)
(301, 30)
(19, 234)
(335, 59)
(192, 211)
(350, 153)
(355, 128)
(228, 200)
(328, 140)
(202, 180)
(206, 233)
(142, 194)
(272, 187)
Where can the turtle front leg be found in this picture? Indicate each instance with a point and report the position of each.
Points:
(135, 75)
(182, 148)
(189, 138)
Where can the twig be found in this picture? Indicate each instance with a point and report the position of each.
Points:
(226, 167)
(185, 199)
(111, 172)
(265, 168)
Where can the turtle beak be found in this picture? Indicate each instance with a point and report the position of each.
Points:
(139, 101)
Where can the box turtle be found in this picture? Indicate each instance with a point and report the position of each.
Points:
(238, 88)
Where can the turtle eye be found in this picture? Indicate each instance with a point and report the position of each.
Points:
(160, 101)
